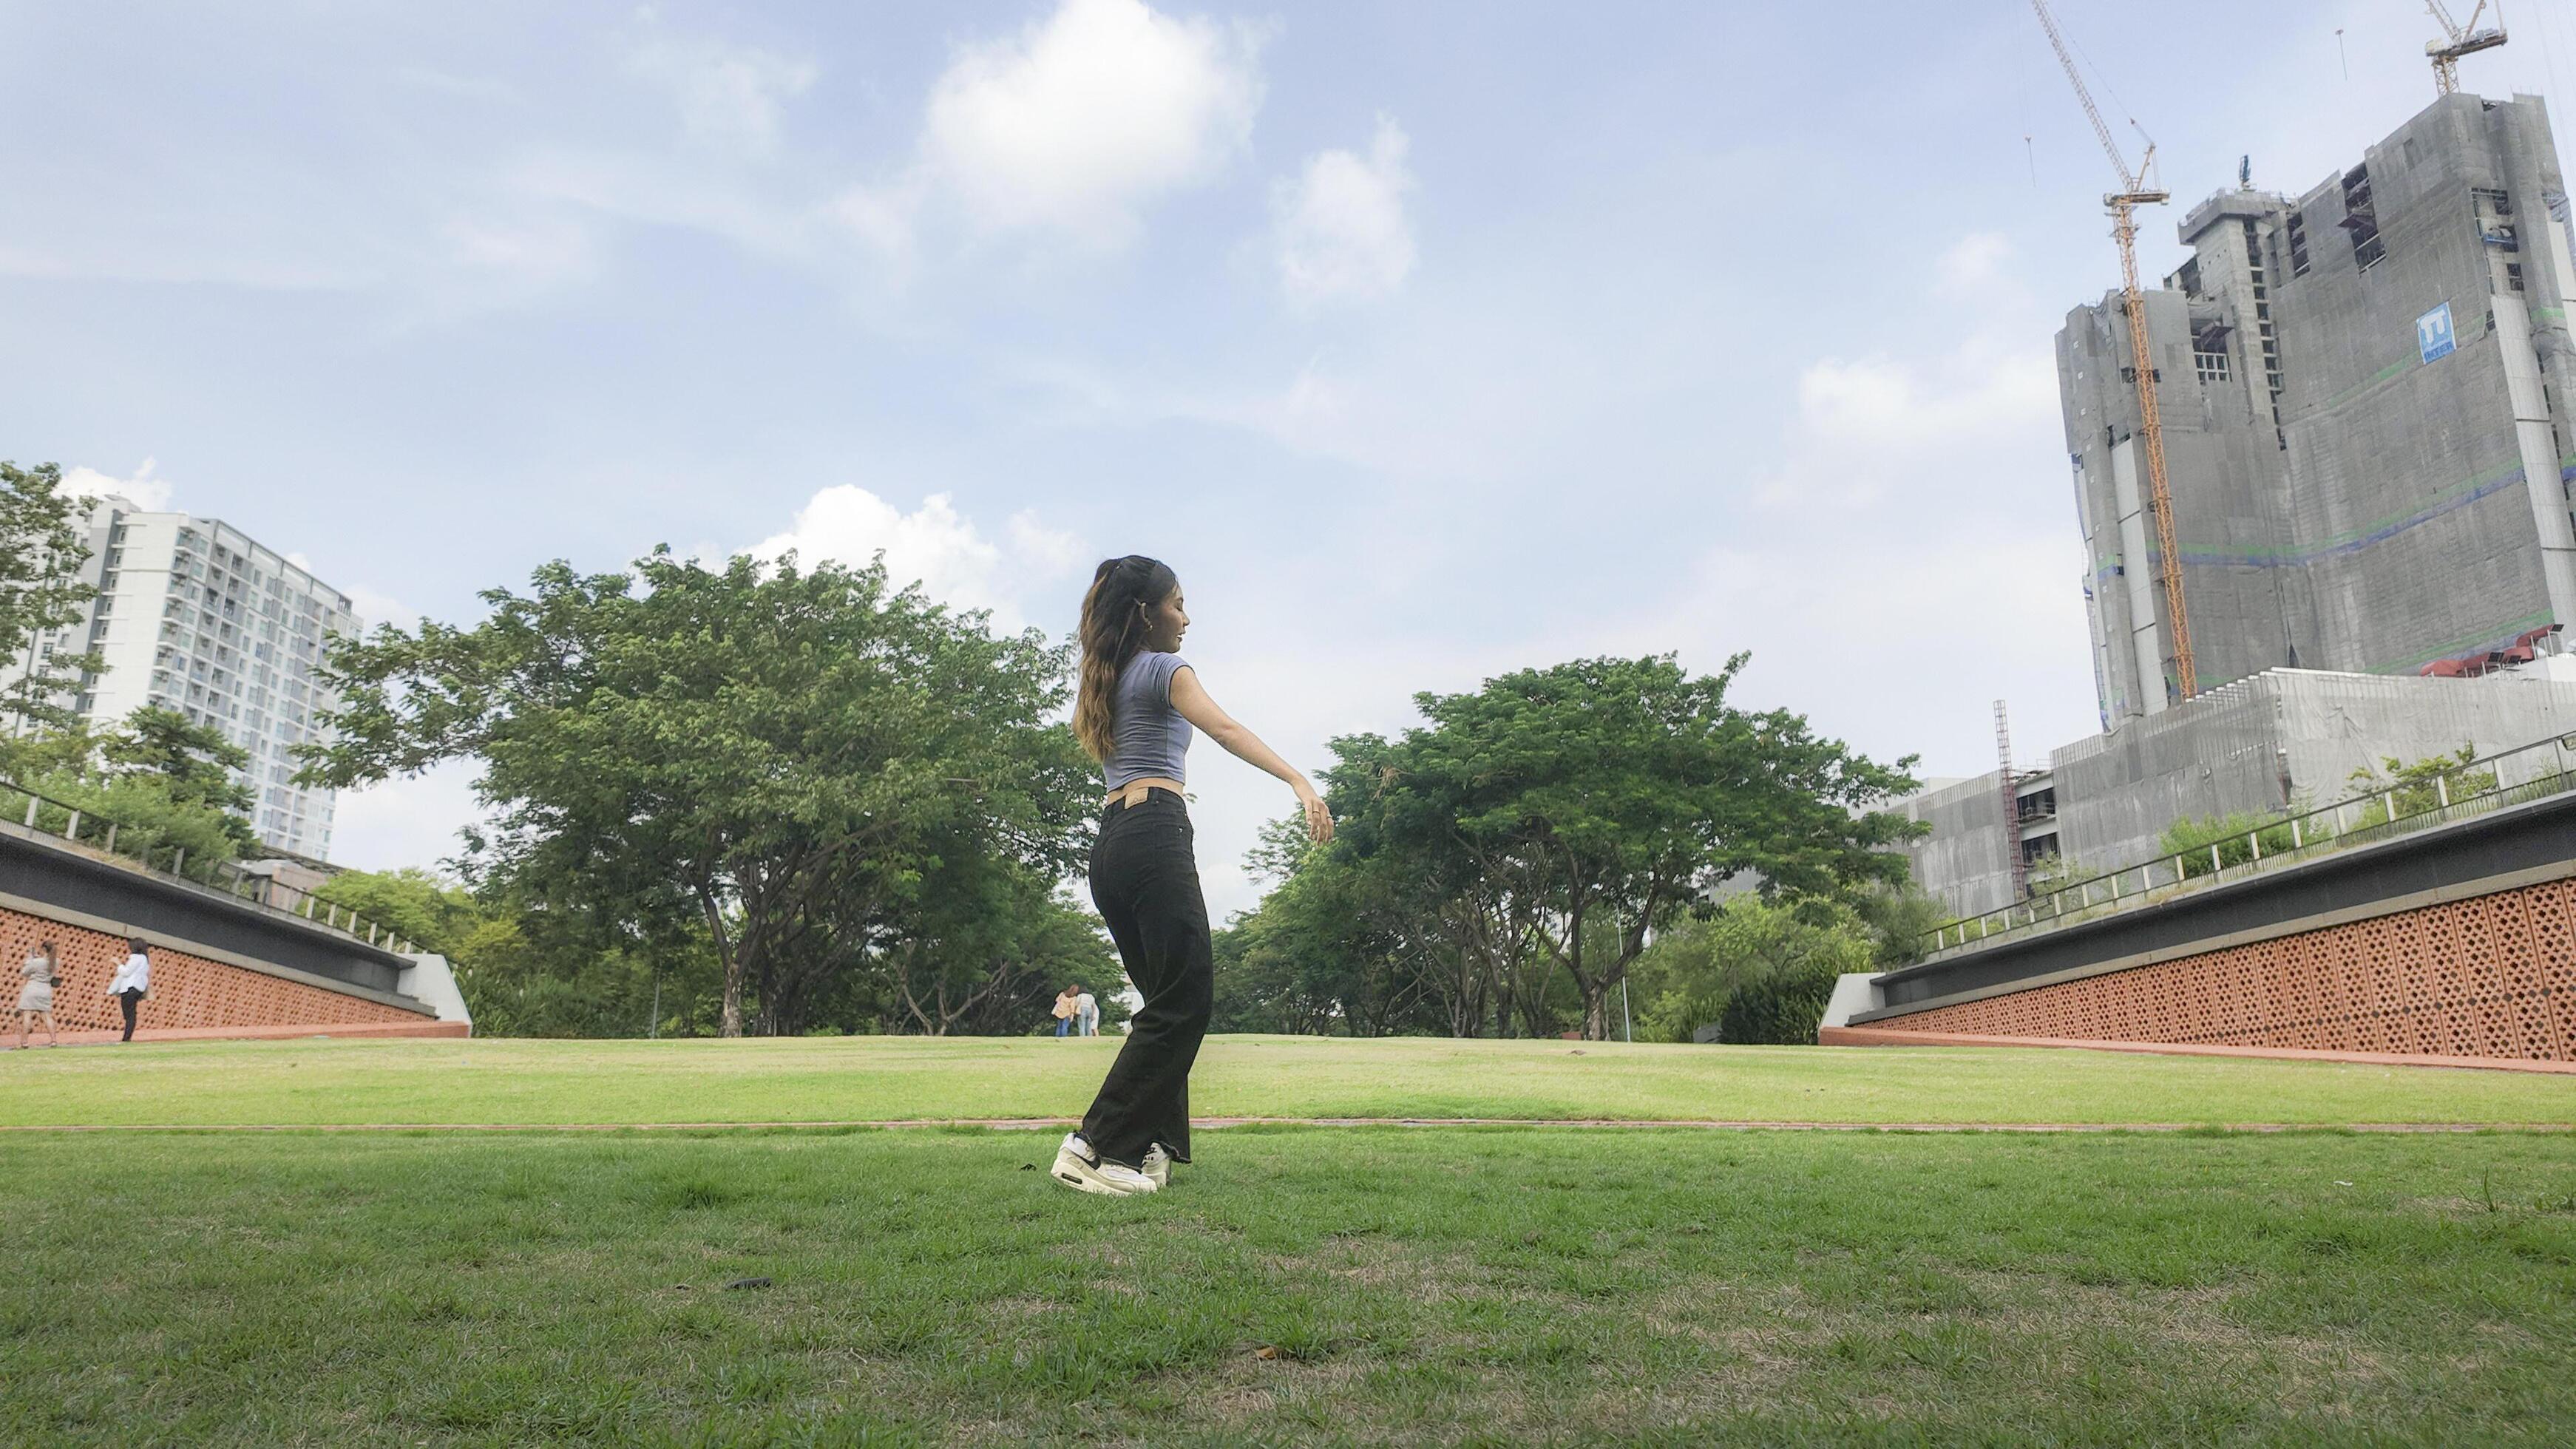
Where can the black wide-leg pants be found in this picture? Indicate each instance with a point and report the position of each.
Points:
(1145, 880)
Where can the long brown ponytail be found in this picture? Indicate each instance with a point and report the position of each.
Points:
(1113, 630)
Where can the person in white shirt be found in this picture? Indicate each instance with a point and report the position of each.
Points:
(132, 982)
(1086, 1009)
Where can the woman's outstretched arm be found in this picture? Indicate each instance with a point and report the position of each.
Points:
(1191, 699)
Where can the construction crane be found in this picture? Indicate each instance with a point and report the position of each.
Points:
(2133, 193)
(2464, 40)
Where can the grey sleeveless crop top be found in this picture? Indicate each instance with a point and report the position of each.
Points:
(1148, 739)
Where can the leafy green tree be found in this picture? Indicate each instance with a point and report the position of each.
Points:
(2232, 836)
(1619, 792)
(986, 946)
(1751, 969)
(779, 755)
(1898, 917)
(192, 764)
(433, 914)
(41, 552)
(2420, 786)
(558, 974)
(150, 825)
(1348, 941)
(165, 783)
(528, 973)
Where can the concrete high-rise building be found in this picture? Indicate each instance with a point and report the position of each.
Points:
(194, 616)
(2366, 396)
(2366, 400)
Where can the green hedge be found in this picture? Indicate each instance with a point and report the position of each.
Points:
(1781, 1009)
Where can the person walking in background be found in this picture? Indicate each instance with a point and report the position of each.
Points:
(36, 991)
(132, 982)
(1064, 1009)
(1086, 1013)
(1135, 708)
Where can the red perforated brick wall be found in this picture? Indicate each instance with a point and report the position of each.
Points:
(2492, 976)
(187, 991)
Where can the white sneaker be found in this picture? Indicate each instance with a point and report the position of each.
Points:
(1078, 1167)
(1158, 1166)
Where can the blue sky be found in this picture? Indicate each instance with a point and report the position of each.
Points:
(1426, 341)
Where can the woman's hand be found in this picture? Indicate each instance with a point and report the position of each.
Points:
(1319, 816)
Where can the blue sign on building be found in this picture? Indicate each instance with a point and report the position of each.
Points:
(2433, 333)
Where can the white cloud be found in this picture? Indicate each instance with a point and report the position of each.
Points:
(537, 249)
(1865, 426)
(1074, 125)
(731, 97)
(1340, 227)
(145, 489)
(934, 544)
(400, 822)
(1974, 261)
(373, 608)
(1868, 426)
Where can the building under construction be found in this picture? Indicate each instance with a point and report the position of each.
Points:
(2364, 395)
(2365, 402)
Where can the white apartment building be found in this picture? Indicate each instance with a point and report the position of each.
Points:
(197, 617)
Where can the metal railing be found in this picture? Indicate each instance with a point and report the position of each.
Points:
(46, 815)
(2384, 810)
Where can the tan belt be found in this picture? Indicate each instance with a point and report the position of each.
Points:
(1132, 793)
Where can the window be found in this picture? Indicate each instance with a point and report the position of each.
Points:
(2211, 366)
(2362, 219)
(2298, 229)
(2513, 275)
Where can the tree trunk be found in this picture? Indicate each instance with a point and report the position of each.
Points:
(732, 962)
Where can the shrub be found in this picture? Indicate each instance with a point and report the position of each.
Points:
(2192, 839)
(2413, 786)
(1783, 1008)
(1761, 971)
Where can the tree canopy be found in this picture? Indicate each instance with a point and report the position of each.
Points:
(41, 552)
(1531, 837)
(825, 775)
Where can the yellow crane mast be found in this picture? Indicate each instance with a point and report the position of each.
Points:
(2133, 193)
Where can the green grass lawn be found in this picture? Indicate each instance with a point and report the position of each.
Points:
(1296, 1285)
(879, 1078)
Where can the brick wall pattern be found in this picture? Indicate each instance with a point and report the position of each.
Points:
(2491, 976)
(187, 991)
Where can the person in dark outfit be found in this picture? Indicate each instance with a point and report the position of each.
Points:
(1135, 711)
(132, 982)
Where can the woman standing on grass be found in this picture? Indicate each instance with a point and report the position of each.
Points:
(36, 992)
(1134, 711)
(133, 982)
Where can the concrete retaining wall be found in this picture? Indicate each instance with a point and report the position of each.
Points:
(2458, 942)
